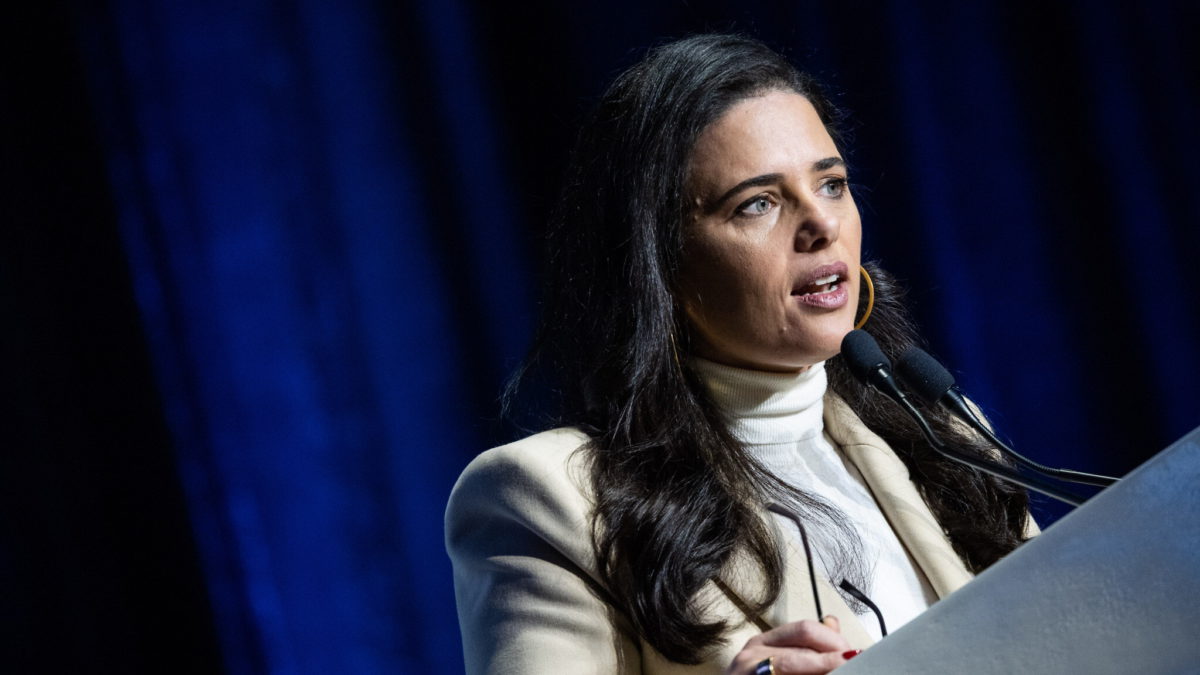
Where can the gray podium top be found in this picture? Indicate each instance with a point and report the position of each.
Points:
(1113, 587)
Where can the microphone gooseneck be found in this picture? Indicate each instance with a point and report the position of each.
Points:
(933, 384)
(869, 364)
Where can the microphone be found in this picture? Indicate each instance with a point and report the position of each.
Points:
(868, 363)
(933, 384)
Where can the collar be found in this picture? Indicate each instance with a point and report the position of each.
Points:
(766, 408)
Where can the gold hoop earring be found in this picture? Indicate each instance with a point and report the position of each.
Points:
(870, 298)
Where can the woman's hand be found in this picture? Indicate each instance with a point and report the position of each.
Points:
(798, 648)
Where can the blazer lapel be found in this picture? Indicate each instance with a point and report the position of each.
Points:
(888, 480)
(905, 510)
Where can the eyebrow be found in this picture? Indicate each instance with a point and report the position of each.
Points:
(771, 178)
(828, 163)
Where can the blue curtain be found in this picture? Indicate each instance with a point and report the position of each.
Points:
(331, 214)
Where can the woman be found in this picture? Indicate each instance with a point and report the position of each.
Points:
(718, 474)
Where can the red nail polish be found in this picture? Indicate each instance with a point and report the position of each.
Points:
(851, 654)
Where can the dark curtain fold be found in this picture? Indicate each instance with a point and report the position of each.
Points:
(331, 217)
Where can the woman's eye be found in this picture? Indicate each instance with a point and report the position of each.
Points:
(834, 187)
(757, 206)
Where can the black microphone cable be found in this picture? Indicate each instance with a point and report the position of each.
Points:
(933, 384)
(868, 363)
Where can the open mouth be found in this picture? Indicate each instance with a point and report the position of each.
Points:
(826, 287)
(825, 284)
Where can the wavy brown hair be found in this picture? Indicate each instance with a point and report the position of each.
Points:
(675, 494)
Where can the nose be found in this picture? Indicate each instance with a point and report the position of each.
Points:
(817, 229)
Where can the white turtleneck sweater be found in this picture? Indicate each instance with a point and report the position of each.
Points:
(778, 418)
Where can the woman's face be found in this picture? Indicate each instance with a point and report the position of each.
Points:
(769, 278)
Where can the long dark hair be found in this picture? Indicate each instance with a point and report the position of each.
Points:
(675, 494)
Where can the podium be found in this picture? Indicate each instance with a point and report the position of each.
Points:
(1113, 587)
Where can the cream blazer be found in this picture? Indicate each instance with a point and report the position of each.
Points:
(529, 599)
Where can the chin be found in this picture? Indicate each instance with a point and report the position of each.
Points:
(811, 355)
(827, 343)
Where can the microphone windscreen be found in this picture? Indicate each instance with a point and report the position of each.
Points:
(927, 378)
(862, 354)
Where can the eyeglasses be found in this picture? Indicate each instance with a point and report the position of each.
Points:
(845, 584)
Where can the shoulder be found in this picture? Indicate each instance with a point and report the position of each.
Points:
(517, 472)
(537, 485)
(549, 448)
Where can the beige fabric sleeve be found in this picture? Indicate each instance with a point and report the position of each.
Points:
(518, 534)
